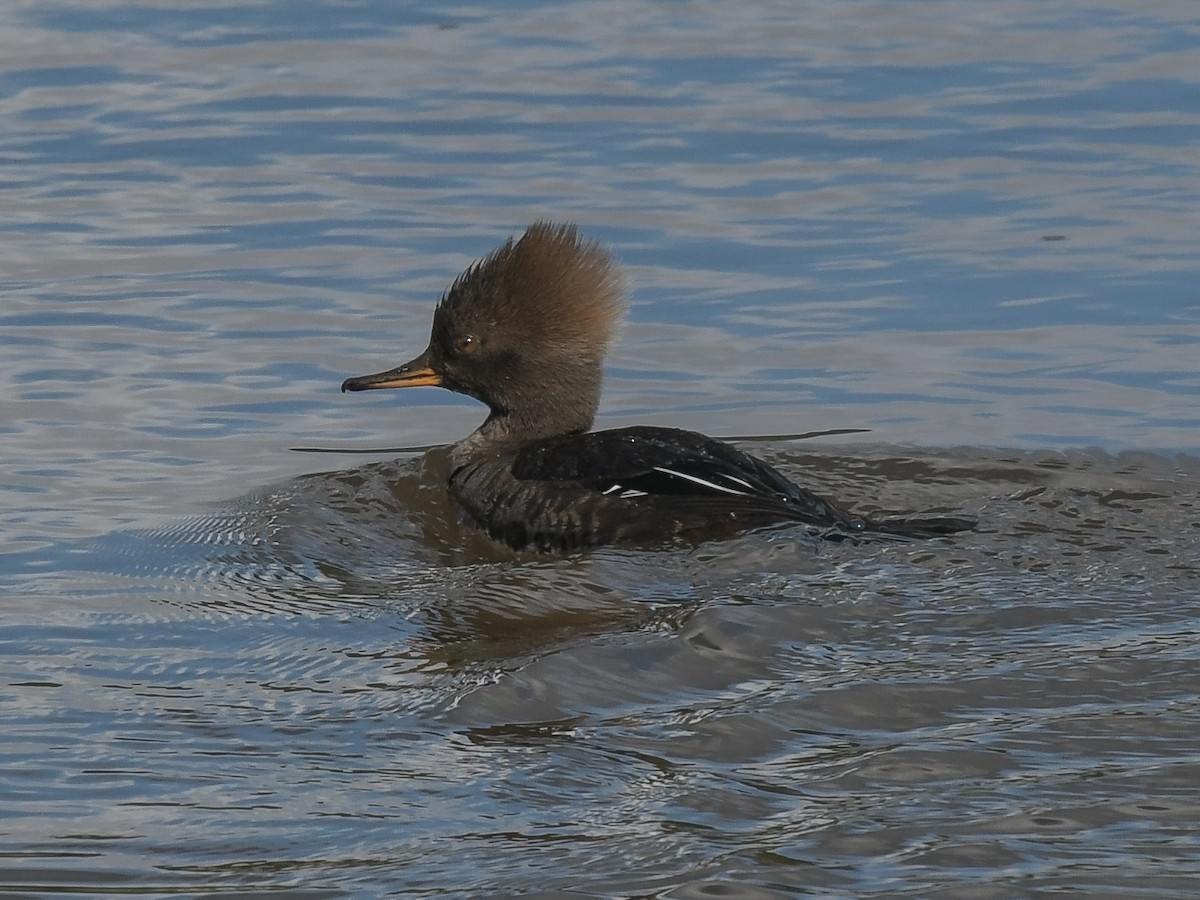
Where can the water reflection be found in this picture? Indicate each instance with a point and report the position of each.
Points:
(342, 642)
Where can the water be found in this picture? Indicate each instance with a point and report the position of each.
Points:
(231, 668)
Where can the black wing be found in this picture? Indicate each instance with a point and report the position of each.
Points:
(678, 467)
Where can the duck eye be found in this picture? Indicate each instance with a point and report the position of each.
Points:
(465, 344)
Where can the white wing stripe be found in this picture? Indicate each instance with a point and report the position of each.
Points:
(700, 481)
(741, 481)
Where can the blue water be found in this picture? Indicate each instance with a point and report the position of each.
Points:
(970, 228)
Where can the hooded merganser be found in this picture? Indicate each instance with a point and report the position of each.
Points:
(525, 331)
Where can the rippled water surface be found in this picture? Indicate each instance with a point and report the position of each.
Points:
(232, 668)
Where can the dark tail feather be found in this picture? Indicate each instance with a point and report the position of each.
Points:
(922, 525)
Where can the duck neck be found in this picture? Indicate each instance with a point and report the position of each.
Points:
(569, 408)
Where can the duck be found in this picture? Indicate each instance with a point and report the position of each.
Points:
(525, 331)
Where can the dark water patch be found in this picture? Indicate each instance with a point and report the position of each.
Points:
(337, 658)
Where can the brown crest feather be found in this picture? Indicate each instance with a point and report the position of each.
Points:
(565, 291)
